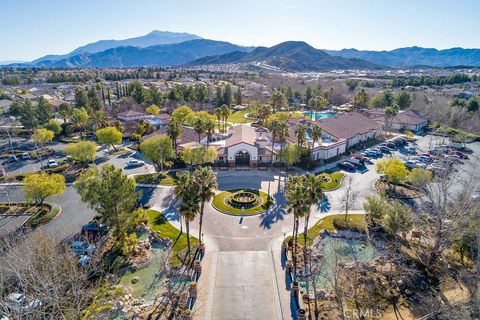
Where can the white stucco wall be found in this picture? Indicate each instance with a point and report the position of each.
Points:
(242, 146)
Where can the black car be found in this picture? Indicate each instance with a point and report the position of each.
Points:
(384, 149)
(392, 145)
(347, 166)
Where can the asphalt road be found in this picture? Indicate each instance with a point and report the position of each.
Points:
(73, 216)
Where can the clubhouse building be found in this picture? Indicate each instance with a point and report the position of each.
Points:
(244, 145)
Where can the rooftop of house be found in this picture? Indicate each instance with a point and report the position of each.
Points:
(130, 113)
(348, 125)
(241, 133)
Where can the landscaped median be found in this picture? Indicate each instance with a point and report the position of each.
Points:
(38, 214)
(242, 202)
(157, 178)
(331, 181)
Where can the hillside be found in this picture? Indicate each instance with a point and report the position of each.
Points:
(151, 39)
(160, 55)
(295, 56)
(415, 56)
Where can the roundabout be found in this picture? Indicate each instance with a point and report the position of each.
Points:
(242, 202)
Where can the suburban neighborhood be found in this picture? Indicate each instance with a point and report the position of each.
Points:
(172, 176)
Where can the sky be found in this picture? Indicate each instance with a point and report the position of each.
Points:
(30, 29)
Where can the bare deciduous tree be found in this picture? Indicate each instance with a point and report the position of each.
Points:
(350, 196)
(50, 278)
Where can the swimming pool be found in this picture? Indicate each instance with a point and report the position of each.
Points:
(319, 115)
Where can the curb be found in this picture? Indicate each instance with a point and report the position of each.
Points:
(47, 222)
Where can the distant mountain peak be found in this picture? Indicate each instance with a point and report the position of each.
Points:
(295, 56)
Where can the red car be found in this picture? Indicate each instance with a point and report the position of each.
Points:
(458, 153)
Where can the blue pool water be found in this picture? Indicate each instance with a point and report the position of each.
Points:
(319, 115)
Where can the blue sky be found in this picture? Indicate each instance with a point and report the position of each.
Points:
(33, 28)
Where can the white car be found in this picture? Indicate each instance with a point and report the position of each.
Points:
(18, 302)
(26, 156)
(135, 163)
(52, 164)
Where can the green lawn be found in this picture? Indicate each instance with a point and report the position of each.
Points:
(155, 178)
(335, 180)
(164, 229)
(219, 202)
(239, 116)
(356, 220)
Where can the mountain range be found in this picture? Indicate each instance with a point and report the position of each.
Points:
(415, 56)
(151, 39)
(296, 56)
(162, 48)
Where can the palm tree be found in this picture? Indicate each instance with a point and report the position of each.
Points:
(173, 131)
(206, 182)
(313, 195)
(189, 209)
(218, 113)
(263, 112)
(181, 189)
(301, 135)
(278, 100)
(316, 134)
(210, 130)
(296, 204)
(199, 126)
(225, 111)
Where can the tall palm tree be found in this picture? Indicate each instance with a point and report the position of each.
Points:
(218, 113)
(225, 111)
(206, 182)
(316, 134)
(189, 208)
(296, 204)
(278, 100)
(301, 135)
(173, 131)
(210, 130)
(199, 126)
(181, 189)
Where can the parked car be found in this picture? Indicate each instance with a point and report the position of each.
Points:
(26, 156)
(135, 163)
(454, 157)
(410, 164)
(79, 247)
(385, 149)
(399, 142)
(52, 164)
(347, 166)
(84, 260)
(377, 150)
(411, 150)
(370, 153)
(458, 153)
(12, 158)
(18, 302)
(392, 145)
